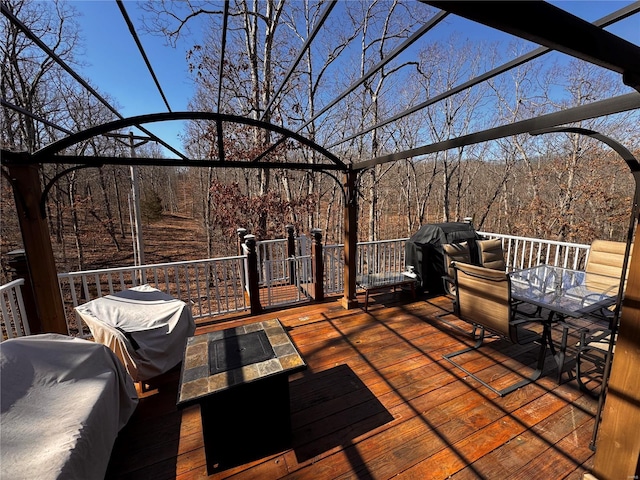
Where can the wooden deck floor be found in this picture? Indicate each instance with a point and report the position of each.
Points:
(379, 401)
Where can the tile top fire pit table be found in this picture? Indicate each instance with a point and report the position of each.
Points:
(240, 379)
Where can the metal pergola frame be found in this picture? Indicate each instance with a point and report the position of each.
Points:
(540, 22)
(604, 49)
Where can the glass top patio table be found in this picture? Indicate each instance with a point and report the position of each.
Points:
(568, 292)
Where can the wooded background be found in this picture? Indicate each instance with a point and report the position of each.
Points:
(561, 187)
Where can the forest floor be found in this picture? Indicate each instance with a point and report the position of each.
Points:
(172, 238)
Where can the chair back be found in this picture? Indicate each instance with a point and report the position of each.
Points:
(606, 258)
(484, 298)
(455, 252)
(491, 254)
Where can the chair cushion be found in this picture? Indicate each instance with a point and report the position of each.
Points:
(606, 258)
(455, 252)
(484, 298)
(491, 254)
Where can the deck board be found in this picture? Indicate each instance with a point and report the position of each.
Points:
(378, 401)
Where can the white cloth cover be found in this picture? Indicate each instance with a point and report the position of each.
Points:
(63, 402)
(146, 328)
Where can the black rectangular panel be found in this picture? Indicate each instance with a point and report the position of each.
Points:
(238, 351)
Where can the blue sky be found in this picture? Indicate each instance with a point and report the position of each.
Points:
(117, 69)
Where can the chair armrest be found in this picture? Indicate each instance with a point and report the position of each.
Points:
(449, 282)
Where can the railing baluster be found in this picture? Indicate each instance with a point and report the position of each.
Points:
(74, 295)
(8, 317)
(196, 286)
(21, 310)
(215, 283)
(15, 313)
(96, 279)
(267, 266)
(187, 281)
(208, 286)
(14, 320)
(225, 280)
(85, 288)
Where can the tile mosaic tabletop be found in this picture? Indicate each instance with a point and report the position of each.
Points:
(196, 380)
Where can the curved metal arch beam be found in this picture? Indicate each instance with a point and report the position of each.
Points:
(601, 108)
(620, 149)
(340, 185)
(53, 148)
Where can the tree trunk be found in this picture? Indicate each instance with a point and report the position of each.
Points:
(74, 219)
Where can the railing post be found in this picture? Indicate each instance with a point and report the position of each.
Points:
(291, 253)
(242, 232)
(350, 241)
(25, 180)
(252, 272)
(317, 264)
(20, 269)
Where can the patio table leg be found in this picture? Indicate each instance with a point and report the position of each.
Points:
(559, 356)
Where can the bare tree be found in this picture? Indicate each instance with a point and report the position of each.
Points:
(442, 67)
(299, 105)
(28, 73)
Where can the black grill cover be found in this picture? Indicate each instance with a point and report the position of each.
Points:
(424, 251)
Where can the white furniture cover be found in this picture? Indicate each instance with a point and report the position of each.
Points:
(63, 401)
(146, 328)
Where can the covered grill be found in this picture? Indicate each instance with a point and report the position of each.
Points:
(424, 251)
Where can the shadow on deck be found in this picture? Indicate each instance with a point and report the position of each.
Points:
(379, 401)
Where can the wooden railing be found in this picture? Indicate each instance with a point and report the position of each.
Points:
(525, 252)
(386, 256)
(211, 286)
(217, 286)
(271, 252)
(14, 319)
(280, 287)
